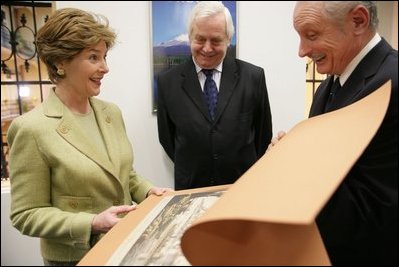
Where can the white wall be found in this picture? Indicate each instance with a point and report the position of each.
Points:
(267, 38)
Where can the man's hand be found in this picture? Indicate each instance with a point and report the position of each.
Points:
(275, 140)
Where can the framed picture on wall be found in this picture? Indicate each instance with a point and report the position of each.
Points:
(170, 45)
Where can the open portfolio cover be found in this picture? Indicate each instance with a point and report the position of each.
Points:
(267, 217)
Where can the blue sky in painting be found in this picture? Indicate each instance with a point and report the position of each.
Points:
(169, 19)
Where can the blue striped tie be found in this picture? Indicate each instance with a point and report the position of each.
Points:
(210, 92)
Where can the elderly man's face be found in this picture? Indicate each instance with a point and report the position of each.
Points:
(209, 41)
(329, 45)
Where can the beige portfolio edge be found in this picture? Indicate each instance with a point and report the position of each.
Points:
(267, 216)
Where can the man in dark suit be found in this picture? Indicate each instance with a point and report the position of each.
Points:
(359, 224)
(215, 143)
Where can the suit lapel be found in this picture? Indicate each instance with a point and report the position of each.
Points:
(367, 67)
(70, 131)
(105, 123)
(321, 97)
(228, 82)
(193, 89)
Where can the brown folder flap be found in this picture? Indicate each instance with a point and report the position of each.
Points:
(266, 217)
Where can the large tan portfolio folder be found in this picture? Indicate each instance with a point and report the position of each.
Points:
(267, 216)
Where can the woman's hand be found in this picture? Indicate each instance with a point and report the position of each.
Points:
(104, 221)
(159, 191)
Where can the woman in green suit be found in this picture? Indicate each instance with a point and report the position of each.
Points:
(70, 158)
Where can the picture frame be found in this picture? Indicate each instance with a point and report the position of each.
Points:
(169, 38)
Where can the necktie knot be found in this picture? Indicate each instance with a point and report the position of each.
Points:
(208, 73)
(335, 87)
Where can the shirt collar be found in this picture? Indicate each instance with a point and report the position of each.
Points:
(198, 68)
(356, 60)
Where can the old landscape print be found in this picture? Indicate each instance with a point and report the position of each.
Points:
(156, 240)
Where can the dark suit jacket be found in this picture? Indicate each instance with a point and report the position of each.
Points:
(207, 152)
(359, 225)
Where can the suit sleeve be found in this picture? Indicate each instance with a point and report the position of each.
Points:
(166, 128)
(138, 186)
(263, 119)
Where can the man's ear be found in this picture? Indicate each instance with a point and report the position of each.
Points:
(360, 19)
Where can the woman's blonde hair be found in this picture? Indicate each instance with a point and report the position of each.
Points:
(66, 33)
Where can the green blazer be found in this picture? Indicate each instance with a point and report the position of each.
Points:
(60, 180)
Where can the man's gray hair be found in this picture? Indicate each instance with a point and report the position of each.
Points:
(210, 8)
(337, 10)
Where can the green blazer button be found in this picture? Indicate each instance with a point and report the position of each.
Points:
(73, 204)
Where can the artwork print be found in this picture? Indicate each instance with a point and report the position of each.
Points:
(156, 240)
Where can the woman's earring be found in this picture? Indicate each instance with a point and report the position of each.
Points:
(60, 72)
